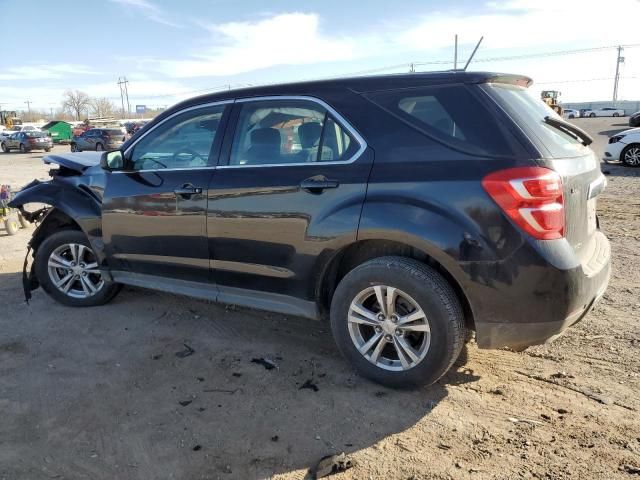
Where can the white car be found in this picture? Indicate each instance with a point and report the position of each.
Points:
(604, 112)
(624, 146)
(17, 129)
(570, 113)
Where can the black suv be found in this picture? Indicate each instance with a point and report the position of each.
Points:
(406, 208)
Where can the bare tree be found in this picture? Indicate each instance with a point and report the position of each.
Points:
(76, 102)
(102, 107)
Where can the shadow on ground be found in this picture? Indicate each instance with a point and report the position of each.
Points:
(114, 391)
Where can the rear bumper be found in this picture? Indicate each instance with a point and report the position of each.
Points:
(543, 305)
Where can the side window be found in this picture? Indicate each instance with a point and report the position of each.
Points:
(276, 132)
(451, 114)
(184, 141)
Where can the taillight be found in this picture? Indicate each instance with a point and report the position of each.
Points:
(532, 197)
(32, 140)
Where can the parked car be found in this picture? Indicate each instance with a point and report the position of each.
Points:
(624, 146)
(17, 129)
(604, 112)
(407, 209)
(634, 119)
(570, 113)
(26, 141)
(98, 139)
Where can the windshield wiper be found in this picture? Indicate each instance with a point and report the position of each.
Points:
(570, 130)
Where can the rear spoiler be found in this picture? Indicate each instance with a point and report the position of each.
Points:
(518, 80)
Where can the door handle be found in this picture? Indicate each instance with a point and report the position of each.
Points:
(187, 190)
(318, 184)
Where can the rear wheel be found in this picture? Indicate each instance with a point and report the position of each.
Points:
(572, 116)
(631, 155)
(11, 226)
(23, 222)
(23, 149)
(68, 271)
(99, 147)
(591, 115)
(616, 114)
(47, 149)
(74, 148)
(398, 322)
(4, 147)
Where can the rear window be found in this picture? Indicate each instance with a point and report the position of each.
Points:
(451, 114)
(35, 134)
(529, 112)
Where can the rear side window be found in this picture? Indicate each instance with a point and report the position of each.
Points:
(451, 114)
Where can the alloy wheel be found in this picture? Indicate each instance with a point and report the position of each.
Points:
(389, 328)
(632, 156)
(73, 269)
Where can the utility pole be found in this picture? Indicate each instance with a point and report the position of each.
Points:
(124, 93)
(28, 102)
(617, 78)
(455, 53)
(412, 68)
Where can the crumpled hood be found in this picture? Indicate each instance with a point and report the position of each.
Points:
(79, 162)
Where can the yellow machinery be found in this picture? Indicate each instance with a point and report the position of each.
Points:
(550, 97)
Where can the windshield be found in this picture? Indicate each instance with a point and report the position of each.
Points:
(530, 112)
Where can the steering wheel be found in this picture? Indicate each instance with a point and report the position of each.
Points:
(202, 162)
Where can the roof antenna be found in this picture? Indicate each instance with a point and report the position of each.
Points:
(473, 53)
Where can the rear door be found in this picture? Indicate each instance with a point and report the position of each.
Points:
(288, 193)
(154, 213)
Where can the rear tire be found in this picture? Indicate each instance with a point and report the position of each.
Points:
(99, 147)
(23, 149)
(591, 115)
(47, 149)
(616, 114)
(417, 291)
(572, 116)
(630, 156)
(74, 148)
(4, 147)
(67, 254)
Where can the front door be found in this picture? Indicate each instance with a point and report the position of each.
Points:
(154, 212)
(287, 194)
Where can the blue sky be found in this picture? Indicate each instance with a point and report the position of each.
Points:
(169, 50)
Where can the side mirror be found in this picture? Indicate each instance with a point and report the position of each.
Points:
(112, 161)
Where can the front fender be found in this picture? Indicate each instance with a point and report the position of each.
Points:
(68, 200)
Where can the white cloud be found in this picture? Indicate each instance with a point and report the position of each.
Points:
(286, 39)
(44, 72)
(149, 10)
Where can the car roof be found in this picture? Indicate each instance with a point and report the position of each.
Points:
(358, 84)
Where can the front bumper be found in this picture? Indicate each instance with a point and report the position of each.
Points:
(613, 150)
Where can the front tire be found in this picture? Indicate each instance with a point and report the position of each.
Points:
(74, 148)
(4, 147)
(591, 115)
(68, 271)
(630, 156)
(398, 322)
(23, 149)
(99, 147)
(11, 226)
(616, 114)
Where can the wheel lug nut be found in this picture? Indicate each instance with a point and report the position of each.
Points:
(399, 332)
(378, 329)
(387, 337)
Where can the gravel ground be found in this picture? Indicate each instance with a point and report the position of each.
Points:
(101, 393)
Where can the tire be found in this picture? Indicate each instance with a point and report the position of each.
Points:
(47, 149)
(441, 328)
(77, 295)
(630, 156)
(74, 148)
(23, 149)
(99, 147)
(11, 226)
(591, 115)
(616, 114)
(572, 116)
(4, 147)
(22, 221)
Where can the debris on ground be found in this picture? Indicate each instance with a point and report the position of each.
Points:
(187, 352)
(184, 403)
(630, 469)
(265, 362)
(275, 438)
(197, 448)
(309, 385)
(331, 465)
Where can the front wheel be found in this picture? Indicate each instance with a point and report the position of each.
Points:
(68, 271)
(23, 149)
(616, 114)
(99, 147)
(4, 147)
(47, 149)
(398, 322)
(11, 226)
(591, 115)
(74, 148)
(631, 155)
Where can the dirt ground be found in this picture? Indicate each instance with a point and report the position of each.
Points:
(105, 393)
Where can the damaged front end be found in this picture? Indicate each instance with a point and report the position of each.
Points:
(72, 199)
